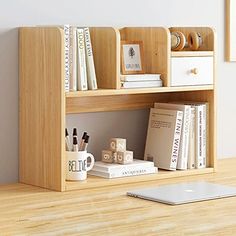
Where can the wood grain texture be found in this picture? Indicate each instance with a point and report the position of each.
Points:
(42, 107)
(28, 210)
(156, 45)
(106, 52)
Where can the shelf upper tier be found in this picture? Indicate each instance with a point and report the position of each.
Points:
(122, 99)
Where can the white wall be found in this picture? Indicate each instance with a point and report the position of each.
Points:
(107, 13)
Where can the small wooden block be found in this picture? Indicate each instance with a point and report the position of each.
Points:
(114, 156)
(125, 157)
(107, 156)
(118, 144)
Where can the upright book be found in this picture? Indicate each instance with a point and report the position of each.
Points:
(91, 75)
(163, 137)
(184, 142)
(67, 57)
(81, 61)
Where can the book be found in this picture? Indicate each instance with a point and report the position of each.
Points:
(184, 142)
(141, 84)
(201, 132)
(81, 61)
(192, 140)
(91, 75)
(67, 57)
(163, 137)
(123, 173)
(109, 167)
(140, 77)
(73, 58)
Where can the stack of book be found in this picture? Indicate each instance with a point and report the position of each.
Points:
(113, 170)
(79, 63)
(141, 81)
(177, 135)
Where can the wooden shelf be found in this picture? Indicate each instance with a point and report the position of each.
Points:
(113, 92)
(94, 181)
(192, 54)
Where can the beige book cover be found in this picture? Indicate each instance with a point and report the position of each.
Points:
(163, 137)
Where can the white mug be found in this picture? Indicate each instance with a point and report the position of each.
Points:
(77, 165)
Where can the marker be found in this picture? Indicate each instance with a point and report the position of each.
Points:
(75, 145)
(75, 134)
(67, 140)
(85, 145)
(82, 141)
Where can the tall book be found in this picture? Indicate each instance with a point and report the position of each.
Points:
(81, 61)
(184, 142)
(73, 58)
(201, 132)
(163, 137)
(91, 75)
(192, 141)
(67, 57)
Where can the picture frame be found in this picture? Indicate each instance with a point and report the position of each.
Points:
(230, 53)
(132, 59)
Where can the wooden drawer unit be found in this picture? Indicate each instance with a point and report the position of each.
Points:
(191, 71)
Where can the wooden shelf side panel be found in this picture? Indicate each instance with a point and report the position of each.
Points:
(156, 45)
(106, 53)
(42, 107)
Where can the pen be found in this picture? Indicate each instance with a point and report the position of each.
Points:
(82, 141)
(75, 145)
(67, 140)
(85, 144)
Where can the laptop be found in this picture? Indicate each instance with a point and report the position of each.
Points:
(182, 193)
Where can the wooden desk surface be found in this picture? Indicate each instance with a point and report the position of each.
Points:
(27, 210)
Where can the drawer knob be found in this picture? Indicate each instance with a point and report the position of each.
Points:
(194, 71)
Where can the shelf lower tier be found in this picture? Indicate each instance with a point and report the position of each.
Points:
(94, 182)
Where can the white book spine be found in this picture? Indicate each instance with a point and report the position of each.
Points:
(67, 57)
(141, 77)
(91, 75)
(200, 133)
(184, 142)
(192, 135)
(73, 59)
(118, 174)
(141, 84)
(81, 62)
(176, 140)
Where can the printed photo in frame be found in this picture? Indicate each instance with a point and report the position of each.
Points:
(132, 61)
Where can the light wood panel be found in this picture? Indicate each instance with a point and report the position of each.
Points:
(42, 107)
(106, 52)
(156, 45)
(192, 53)
(28, 210)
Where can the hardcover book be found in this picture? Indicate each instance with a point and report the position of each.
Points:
(125, 172)
(67, 57)
(140, 77)
(163, 137)
(184, 142)
(141, 84)
(91, 75)
(81, 62)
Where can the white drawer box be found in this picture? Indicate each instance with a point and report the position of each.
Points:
(187, 71)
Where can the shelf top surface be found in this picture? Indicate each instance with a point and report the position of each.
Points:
(113, 92)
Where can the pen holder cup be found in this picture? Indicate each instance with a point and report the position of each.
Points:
(77, 165)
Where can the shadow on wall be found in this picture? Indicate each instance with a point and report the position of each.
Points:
(8, 105)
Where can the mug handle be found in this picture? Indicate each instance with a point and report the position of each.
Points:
(92, 161)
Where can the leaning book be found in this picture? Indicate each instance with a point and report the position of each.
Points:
(163, 137)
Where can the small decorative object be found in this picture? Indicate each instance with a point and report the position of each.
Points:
(117, 152)
(107, 156)
(125, 157)
(132, 57)
(118, 144)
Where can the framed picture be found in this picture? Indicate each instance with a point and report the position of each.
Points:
(230, 30)
(132, 57)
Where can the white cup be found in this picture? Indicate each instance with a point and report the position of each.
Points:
(77, 165)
